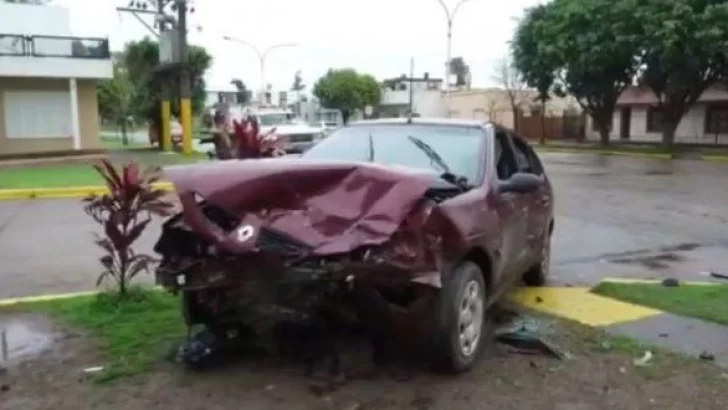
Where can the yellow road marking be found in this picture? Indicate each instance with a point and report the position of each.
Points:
(44, 298)
(65, 192)
(580, 305)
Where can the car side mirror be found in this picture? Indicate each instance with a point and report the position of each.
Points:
(521, 183)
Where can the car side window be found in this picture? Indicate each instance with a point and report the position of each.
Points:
(526, 157)
(505, 164)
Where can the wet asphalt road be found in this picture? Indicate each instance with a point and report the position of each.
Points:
(616, 216)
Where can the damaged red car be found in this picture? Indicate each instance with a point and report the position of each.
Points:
(414, 227)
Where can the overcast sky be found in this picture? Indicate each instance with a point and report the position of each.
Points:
(372, 36)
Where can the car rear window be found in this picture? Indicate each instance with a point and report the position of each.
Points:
(459, 146)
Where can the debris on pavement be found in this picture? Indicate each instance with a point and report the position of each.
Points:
(707, 356)
(644, 360)
(94, 369)
(719, 275)
(525, 340)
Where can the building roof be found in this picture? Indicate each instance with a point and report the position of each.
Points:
(644, 96)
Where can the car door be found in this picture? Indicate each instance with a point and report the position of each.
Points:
(509, 207)
(537, 205)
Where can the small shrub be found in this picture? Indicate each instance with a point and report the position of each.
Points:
(124, 213)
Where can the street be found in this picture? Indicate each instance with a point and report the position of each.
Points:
(615, 216)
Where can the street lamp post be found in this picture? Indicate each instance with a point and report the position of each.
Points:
(262, 54)
(450, 16)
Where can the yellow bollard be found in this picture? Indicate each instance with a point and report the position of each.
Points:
(166, 137)
(186, 111)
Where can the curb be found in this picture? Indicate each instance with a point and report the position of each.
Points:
(65, 192)
(44, 298)
(581, 305)
(628, 281)
(602, 152)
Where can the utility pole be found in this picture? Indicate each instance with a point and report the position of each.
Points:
(137, 7)
(450, 16)
(184, 75)
(166, 137)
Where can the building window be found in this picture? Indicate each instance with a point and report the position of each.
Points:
(716, 119)
(654, 119)
(37, 114)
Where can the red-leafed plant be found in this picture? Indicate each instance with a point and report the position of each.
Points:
(253, 144)
(124, 213)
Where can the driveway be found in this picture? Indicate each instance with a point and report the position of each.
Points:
(616, 216)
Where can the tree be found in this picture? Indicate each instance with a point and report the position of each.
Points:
(347, 90)
(116, 98)
(586, 49)
(141, 58)
(461, 71)
(682, 54)
(514, 87)
(242, 95)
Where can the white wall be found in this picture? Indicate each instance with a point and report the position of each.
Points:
(691, 128)
(427, 103)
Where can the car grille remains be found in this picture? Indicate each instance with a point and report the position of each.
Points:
(273, 241)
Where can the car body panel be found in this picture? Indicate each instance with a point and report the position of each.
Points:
(335, 209)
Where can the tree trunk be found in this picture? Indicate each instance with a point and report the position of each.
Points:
(542, 140)
(515, 119)
(345, 116)
(668, 135)
(124, 133)
(603, 135)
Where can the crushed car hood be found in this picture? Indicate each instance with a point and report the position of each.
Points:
(330, 207)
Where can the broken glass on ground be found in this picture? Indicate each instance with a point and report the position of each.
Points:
(523, 336)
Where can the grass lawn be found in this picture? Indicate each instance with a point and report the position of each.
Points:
(54, 176)
(134, 334)
(698, 301)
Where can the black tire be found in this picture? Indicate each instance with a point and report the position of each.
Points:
(450, 355)
(537, 276)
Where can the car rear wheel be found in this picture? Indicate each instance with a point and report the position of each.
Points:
(538, 274)
(463, 327)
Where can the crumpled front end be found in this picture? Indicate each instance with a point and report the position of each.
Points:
(301, 234)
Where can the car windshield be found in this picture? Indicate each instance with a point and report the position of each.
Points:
(276, 119)
(458, 146)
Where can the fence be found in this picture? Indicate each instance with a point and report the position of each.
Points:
(53, 46)
(564, 127)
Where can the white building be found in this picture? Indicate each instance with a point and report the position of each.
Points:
(48, 81)
(637, 118)
(425, 94)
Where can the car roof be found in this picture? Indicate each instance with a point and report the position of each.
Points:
(463, 122)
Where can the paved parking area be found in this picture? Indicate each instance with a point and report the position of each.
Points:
(616, 216)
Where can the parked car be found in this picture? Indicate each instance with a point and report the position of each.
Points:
(417, 226)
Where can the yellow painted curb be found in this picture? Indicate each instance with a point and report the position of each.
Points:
(58, 296)
(580, 305)
(628, 281)
(44, 298)
(65, 192)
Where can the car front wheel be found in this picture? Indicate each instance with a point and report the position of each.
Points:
(462, 321)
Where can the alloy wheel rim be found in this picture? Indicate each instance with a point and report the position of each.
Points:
(470, 318)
